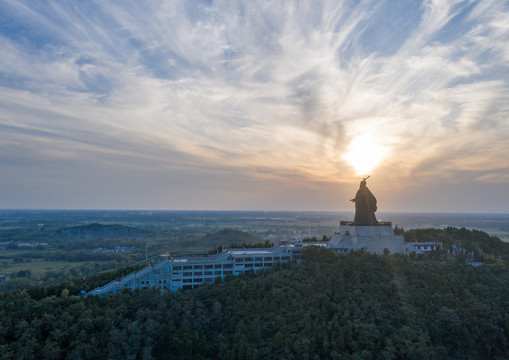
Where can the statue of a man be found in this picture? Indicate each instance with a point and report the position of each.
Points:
(365, 206)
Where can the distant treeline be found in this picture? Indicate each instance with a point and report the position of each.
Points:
(106, 231)
(325, 238)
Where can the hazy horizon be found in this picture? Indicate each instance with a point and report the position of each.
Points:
(315, 223)
(382, 213)
(260, 105)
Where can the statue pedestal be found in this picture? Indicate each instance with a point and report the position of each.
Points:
(374, 238)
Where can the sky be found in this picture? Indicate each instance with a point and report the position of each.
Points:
(254, 105)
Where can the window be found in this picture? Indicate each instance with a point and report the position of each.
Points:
(188, 274)
(209, 266)
(238, 260)
(188, 280)
(228, 272)
(198, 266)
(198, 273)
(208, 272)
(177, 268)
(197, 280)
(217, 266)
(188, 267)
(209, 280)
(249, 265)
(267, 258)
(268, 264)
(217, 272)
(228, 266)
(258, 259)
(249, 259)
(259, 265)
(285, 258)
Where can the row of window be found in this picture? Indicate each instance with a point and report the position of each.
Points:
(257, 265)
(425, 247)
(199, 267)
(187, 281)
(229, 272)
(229, 266)
(177, 269)
(198, 273)
(283, 258)
(146, 282)
(218, 272)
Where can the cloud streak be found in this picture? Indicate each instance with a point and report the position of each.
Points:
(261, 90)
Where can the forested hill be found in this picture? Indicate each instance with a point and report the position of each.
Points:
(472, 244)
(105, 231)
(354, 306)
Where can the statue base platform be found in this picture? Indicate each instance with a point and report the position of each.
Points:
(374, 238)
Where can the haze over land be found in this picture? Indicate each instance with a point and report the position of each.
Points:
(238, 105)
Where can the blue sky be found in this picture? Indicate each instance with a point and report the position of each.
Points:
(254, 105)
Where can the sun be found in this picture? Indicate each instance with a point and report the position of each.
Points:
(364, 154)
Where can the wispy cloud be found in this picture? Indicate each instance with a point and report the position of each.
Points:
(259, 89)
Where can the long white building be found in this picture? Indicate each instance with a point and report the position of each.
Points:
(188, 271)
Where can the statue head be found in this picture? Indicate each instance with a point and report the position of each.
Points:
(363, 182)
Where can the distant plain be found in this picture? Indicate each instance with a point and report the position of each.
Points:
(71, 236)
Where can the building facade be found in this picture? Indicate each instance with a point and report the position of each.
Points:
(420, 247)
(188, 271)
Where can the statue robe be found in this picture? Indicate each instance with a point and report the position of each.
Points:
(365, 207)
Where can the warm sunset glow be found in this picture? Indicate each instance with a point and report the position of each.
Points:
(241, 105)
(364, 154)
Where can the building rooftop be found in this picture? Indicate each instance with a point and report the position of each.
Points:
(249, 251)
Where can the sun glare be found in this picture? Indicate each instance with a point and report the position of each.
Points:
(364, 154)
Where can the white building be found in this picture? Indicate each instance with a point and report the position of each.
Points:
(420, 247)
(188, 271)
